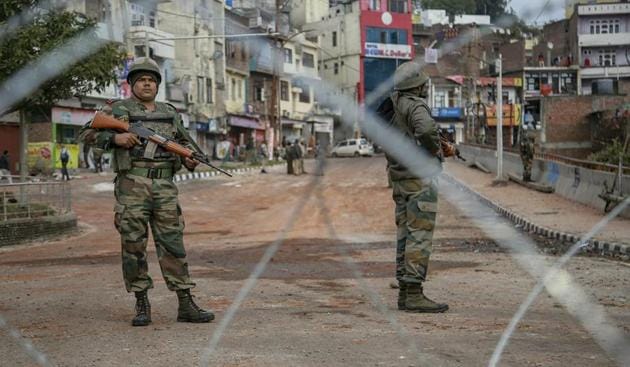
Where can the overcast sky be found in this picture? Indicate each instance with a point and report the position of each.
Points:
(529, 10)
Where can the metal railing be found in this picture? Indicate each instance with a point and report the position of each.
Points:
(34, 200)
(597, 166)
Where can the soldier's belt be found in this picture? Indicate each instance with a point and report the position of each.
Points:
(154, 173)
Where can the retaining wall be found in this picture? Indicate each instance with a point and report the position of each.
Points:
(16, 231)
(572, 182)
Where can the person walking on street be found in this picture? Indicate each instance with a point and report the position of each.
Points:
(297, 157)
(302, 148)
(65, 158)
(526, 148)
(415, 197)
(146, 194)
(290, 156)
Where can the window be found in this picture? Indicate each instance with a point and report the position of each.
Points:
(308, 60)
(305, 95)
(334, 39)
(397, 6)
(352, 142)
(259, 93)
(152, 19)
(208, 90)
(200, 87)
(382, 35)
(288, 56)
(343, 143)
(604, 26)
(336, 68)
(284, 90)
(374, 5)
(233, 89)
(607, 57)
(240, 89)
(441, 99)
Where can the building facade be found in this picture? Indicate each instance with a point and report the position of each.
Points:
(600, 40)
(362, 44)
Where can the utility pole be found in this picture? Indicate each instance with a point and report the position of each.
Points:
(276, 123)
(500, 119)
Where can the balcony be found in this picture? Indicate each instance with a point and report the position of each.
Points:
(593, 72)
(603, 40)
(161, 48)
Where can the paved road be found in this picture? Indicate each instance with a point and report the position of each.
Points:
(309, 308)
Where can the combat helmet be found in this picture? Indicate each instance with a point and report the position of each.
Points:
(144, 64)
(409, 75)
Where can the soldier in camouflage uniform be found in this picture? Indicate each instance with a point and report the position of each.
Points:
(416, 198)
(526, 145)
(146, 195)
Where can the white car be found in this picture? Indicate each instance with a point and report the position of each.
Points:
(353, 148)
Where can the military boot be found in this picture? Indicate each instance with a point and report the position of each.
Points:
(188, 311)
(402, 295)
(417, 302)
(143, 310)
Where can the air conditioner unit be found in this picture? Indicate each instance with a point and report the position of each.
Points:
(286, 113)
(190, 98)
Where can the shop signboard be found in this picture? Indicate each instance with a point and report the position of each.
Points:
(387, 51)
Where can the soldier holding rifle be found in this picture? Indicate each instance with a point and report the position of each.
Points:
(145, 192)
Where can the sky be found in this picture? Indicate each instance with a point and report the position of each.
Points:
(529, 10)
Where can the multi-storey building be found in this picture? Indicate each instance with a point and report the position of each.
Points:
(245, 128)
(362, 44)
(194, 79)
(600, 39)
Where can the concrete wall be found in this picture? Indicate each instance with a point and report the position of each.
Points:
(566, 127)
(572, 182)
(22, 230)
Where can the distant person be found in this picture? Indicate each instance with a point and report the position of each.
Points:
(290, 155)
(262, 150)
(541, 60)
(5, 161)
(5, 166)
(65, 158)
(527, 149)
(297, 157)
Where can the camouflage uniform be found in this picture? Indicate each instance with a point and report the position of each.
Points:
(415, 198)
(527, 150)
(146, 195)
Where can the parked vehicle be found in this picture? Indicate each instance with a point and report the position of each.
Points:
(353, 148)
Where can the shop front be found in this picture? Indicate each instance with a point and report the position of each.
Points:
(66, 126)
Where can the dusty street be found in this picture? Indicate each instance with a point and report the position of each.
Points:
(308, 308)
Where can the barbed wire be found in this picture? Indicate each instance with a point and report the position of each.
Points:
(26, 345)
(405, 151)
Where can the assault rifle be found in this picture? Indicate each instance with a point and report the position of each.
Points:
(447, 145)
(104, 121)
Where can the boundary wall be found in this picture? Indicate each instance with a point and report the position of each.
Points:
(573, 182)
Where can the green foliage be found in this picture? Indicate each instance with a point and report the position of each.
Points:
(610, 154)
(452, 7)
(48, 30)
(494, 8)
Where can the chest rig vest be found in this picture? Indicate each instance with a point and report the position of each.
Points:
(162, 123)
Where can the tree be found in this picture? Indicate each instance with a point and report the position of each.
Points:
(494, 8)
(46, 31)
(452, 7)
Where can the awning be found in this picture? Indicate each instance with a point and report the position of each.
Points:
(246, 122)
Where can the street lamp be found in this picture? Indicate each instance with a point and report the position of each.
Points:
(499, 178)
